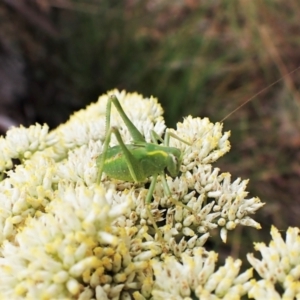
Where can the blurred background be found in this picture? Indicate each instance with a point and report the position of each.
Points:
(203, 58)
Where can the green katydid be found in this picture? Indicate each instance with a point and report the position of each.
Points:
(137, 161)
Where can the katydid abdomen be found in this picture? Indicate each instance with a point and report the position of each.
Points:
(148, 159)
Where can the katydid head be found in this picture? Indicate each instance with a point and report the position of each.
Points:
(175, 155)
(174, 160)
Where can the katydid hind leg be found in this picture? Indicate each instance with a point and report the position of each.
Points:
(133, 164)
(136, 135)
(134, 168)
(108, 132)
(101, 162)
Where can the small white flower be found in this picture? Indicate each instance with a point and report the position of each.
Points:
(196, 275)
(279, 264)
(204, 138)
(22, 142)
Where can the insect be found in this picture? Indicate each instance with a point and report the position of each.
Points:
(137, 161)
(140, 160)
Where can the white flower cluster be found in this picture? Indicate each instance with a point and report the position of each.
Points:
(57, 251)
(89, 124)
(65, 236)
(20, 143)
(280, 265)
(213, 199)
(196, 275)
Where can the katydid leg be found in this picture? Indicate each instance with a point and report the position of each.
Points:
(136, 135)
(130, 159)
(148, 203)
